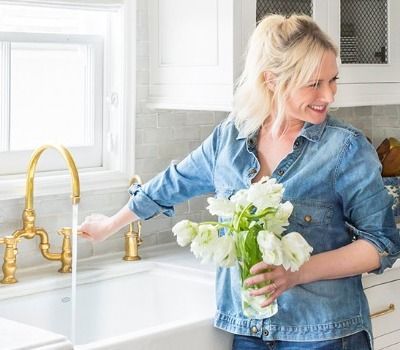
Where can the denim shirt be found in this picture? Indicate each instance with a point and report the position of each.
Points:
(332, 177)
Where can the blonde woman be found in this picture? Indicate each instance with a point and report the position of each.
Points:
(279, 127)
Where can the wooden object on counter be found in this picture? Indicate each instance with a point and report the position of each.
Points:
(389, 155)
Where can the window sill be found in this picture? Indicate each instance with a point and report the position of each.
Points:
(58, 183)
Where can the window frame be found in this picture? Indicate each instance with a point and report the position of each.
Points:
(88, 156)
(119, 111)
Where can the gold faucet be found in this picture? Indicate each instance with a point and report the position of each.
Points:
(29, 229)
(133, 237)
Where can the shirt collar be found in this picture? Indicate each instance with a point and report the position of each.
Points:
(311, 132)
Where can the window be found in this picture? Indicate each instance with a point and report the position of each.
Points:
(52, 89)
(63, 73)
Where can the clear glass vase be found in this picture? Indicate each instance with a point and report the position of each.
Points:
(251, 305)
(248, 255)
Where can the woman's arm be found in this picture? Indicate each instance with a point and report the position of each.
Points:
(354, 259)
(98, 227)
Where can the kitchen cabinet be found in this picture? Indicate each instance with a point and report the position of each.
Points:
(196, 48)
(383, 294)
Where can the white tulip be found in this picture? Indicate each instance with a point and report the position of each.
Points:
(265, 194)
(203, 245)
(270, 247)
(225, 251)
(296, 250)
(240, 199)
(185, 231)
(277, 222)
(221, 207)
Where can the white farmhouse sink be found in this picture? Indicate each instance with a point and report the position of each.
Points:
(132, 306)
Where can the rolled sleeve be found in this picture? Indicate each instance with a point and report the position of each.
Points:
(193, 176)
(143, 206)
(367, 206)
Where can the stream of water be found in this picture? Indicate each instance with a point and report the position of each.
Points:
(74, 271)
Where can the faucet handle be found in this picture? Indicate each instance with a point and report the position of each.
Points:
(66, 252)
(10, 259)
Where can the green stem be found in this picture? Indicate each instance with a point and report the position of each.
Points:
(242, 213)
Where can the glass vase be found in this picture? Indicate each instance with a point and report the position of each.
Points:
(248, 255)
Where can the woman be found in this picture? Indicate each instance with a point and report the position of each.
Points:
(279, 127)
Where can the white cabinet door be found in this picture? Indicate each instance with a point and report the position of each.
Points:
(195, 51)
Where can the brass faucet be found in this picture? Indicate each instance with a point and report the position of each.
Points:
(133, 237)
(29, 229)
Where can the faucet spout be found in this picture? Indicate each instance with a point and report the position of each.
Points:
(32, 168)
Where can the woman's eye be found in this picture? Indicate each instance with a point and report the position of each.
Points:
(314, 85)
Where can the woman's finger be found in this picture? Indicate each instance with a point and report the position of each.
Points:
(260, 267)
(266, 290)
(261, 277)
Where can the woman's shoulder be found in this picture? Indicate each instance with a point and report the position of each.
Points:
(227, 128)
(345, 132)
(339, 126)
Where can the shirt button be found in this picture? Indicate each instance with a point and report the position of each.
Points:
(308, 218)
(281, 172)
(252, 141)
(253, 330)
(266, 332)
(296, 144)
(251, 172)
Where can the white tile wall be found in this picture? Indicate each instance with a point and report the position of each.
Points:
(161, 136)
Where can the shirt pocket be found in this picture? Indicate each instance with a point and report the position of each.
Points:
(310, 218)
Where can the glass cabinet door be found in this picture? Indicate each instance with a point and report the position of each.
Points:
(364, 32)
(283, 7)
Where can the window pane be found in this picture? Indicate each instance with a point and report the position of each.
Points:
(49, 101)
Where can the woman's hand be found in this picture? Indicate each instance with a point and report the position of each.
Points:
(280, 279)
(96, 227)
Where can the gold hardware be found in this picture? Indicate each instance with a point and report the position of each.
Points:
(9, 265)
(386, 311)
(308, 218)
(133, 237)
(66, 254)
(29, 229)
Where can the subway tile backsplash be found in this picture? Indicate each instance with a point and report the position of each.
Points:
(162, 136)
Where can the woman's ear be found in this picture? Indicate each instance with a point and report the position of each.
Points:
(269, 79)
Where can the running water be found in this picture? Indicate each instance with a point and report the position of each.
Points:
(74, 263)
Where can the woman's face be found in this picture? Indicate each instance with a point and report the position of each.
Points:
(310, 103)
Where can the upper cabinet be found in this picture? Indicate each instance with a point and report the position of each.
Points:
(197, 48)
(368, 35)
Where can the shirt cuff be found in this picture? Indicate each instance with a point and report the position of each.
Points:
(145, 207)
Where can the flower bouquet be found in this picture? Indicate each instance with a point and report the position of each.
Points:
(251, 227)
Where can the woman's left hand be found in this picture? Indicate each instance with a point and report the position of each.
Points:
(280, 279)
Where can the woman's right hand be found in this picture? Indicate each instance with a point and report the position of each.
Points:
(96, 227)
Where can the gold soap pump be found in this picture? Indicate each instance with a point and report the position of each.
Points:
(133, 237)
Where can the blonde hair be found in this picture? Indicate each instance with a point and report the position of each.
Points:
(291, 49)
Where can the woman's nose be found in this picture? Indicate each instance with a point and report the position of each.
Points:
(328, 93)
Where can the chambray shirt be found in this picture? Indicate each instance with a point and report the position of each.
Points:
(332, 177)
